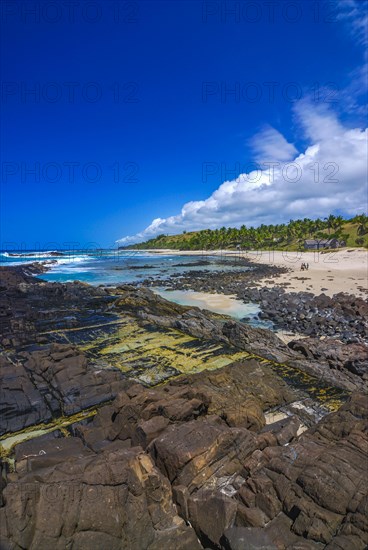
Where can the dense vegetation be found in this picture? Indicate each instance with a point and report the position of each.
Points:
(291, 236)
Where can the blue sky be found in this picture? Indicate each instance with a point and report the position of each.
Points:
(141, 111)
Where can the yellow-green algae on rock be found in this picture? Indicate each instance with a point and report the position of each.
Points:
(153, 355)
(9, 440)
(326, 395)
(150, 353)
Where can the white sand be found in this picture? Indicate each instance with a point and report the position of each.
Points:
(345, 270)
(225, 304)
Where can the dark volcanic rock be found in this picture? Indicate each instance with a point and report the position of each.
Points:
(21, 403)
(211, 513)
(352, 357)
(343, 315)
(193, 453)
(158, 467)
(73, 383)
(30, 309)
(156, 310)
(319, 482)
(228, 394)
(151, 307)
(57, 380)
(115, 500)
(239, 392)
(284, 431)
(276, 535)
(47, 451)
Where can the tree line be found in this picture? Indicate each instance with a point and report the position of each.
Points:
(284, 235)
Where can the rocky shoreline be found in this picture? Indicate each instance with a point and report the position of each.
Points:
(130, 422)
(343, 316)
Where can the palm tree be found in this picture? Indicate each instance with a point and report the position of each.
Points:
(317, 225)
(362, 222)
(330, 222)
(338, 222)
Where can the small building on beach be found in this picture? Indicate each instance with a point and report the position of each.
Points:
(318, 244)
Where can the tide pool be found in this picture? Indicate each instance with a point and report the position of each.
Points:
(115, 267)
(217, 303)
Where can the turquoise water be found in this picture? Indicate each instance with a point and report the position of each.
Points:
(218, 303)
(112, 267)
(115, 267)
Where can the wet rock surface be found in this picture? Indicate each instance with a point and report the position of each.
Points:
(21, 404)
(240, 456)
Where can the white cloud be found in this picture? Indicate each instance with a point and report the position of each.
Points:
(331, 175)
(355, 13)
(269, 145)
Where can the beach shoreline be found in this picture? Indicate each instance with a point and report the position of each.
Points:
(344, 270)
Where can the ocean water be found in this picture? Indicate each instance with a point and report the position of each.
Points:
(112, 267)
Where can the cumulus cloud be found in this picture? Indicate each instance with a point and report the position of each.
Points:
(330, 175)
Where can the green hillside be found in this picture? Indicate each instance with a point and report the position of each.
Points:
(291, 236)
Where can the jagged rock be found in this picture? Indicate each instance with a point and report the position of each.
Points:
(30, 306)
(21, 403)
(211, 513)
(73, 382)
(148, 430)
(46, 452)
(241, 538)
(235, 480)
(320, 481)
(193, 453)
(353, 357)
(239, 392)
(284, 431)
(114, 500)
(203, 325)
(57, 380)
(141, 414)
(300, 312)
(276, 535)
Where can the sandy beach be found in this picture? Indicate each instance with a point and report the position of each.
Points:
(344, 270)
(224, 304)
